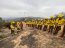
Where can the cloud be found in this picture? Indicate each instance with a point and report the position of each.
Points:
(36, 8)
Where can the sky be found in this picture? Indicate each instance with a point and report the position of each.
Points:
(31, 8)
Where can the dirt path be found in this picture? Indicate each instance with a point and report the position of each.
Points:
(40, 39)
(32, 38)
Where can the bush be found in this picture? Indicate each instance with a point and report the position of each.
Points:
(2, 22)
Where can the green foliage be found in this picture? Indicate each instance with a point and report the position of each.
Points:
(2, 22)
(0, 18)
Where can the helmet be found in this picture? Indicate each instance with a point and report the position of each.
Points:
(60, 15)
(12, 22)
(51, 16)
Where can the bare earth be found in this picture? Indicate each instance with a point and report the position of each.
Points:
(32, 38)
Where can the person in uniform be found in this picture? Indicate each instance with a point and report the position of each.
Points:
(8, 25)
(42, 24)
(35, 24)
(12, 26)
(59, 22)
(45, 24)
(21, 25)
(51, 24)
(63, 32)
(18, 27)
(29, 23)
(39, 24)
(62, 22)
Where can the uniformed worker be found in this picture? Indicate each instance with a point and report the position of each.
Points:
(8, 25)
(32, 23)
(18, 27)
(21, 25)
(12, 26)
(59, 23)
(26, 23)
(40, 24)
(51, 24)
(63, 26)
(46, 21)
(35, 24)
(63, 32)
(29, 23)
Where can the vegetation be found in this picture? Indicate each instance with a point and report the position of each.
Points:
(2, 22)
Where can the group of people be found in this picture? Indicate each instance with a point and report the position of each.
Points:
(15, 27)
(52, 25)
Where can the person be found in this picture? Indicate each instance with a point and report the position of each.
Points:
(51, 24)
(46, 21)
(8, 25)
(18, 27)
(62, 26)
(63, 32)
(39, 25)
(21, 25)
(59, 22)
(32, 23)
(12, 27)
(35, 24)
(27, 24)
(42, 24)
